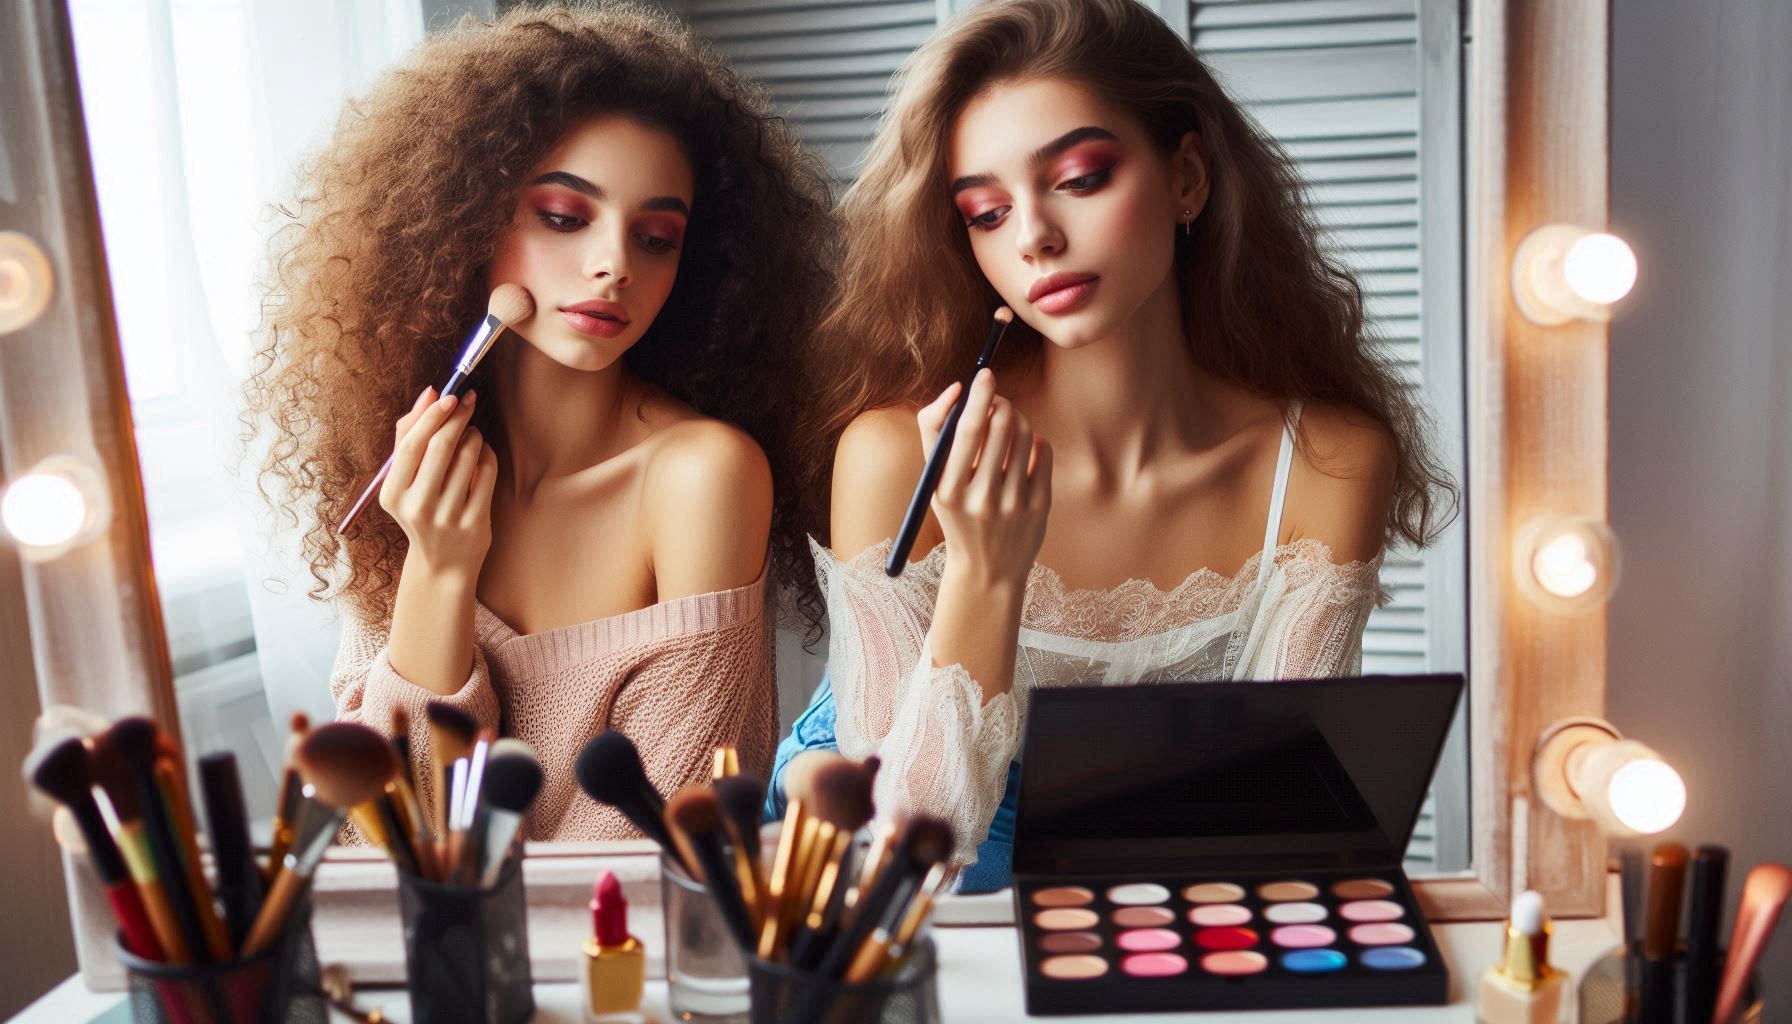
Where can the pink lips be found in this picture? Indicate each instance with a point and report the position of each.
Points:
(597, 317)
(1061, 292)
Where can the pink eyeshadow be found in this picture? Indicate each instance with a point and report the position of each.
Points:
(1372, 910)
(1219, 915)
(1147, 940)
(1235, 962)
(1154, 965)
(1380, 934)
(1303, 936)
(1143, 917)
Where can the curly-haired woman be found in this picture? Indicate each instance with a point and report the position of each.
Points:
(587, 539)
(1227, 457)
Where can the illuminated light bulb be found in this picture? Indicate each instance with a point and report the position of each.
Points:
(1566, 564)
(54, 506)
(1582, 769)
(1600, 268)
(25, 281)
(1562, 272)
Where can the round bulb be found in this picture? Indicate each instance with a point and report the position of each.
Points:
(1647, 795)
(1600, 268)
(1563, 568)
(1565, 563)
(43, 510)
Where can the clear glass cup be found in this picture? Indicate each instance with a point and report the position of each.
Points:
(706, 975)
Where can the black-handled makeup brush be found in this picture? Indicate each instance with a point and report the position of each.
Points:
(609, 770)
(239, 879)
(1704, 913)
(512, 780)
(936, 459)
(743, 801)
(695, 812)
(843, 804)
(509, 303)
(134, 741)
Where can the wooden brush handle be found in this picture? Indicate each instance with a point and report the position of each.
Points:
(288, 886)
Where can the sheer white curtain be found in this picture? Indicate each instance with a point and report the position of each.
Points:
(198, 114)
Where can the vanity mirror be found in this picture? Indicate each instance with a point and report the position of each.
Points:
(1434, 136)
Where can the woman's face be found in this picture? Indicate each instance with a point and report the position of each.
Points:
(1071, 211)
(596, 239)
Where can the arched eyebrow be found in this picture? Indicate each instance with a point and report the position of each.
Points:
(658, 204)
(1040, 155)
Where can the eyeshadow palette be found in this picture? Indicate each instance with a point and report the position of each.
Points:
(1227, 845)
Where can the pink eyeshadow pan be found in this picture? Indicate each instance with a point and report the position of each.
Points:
(1147, 940)
(1234, 963)
(1070, 942)
(1063, 896)
(1143, 917)
(1073, 968)
(1219, 915)
(1372, 910)
(1303, 936)
(1154, 965)
(1388, 934)
(1063, 919)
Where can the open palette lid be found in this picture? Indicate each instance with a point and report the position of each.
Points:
(1153, 777)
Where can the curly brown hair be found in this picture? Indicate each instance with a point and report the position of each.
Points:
(380, 268)
(1264, 306)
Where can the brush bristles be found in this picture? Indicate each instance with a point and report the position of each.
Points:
(842, 796)
(511, 781)
(927, 840)
(347, 763)
(742, 797)
(63, 770)
(1003, 315)
(510, 303)
(695, 811)
(799, 776)
(609, 769)
(511, 746)
(451, 720)
(111, 774)
(401, 721)
(134, 740)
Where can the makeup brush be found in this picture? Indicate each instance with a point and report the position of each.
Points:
(1704, 913)
(509, 303)
(1661, 930)
(936, 459)
(921, 843)
(64, 772)
(345, 764)
(239, 879)
(777, 898)
(727, 762)
(401, 742)
(743, 799)
(874, 862)
(609, 771)
(1764, 895)
(512, 780)
(286, 805)
(133, 740)
(695, 813)
(124, 817)
(451, 736)
(842, 805)
(886, 946)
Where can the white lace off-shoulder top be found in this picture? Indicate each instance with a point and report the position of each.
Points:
(1289, 613)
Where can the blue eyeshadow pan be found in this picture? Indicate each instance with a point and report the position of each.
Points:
(1314, 961)
(1393, 958)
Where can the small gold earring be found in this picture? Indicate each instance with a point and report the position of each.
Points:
(1188, 223)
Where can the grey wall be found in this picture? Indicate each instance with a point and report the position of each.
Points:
(1701, 496)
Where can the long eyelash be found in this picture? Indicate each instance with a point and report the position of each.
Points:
(559, 221)
(1094, 180)
(977, 223)
(658, 246)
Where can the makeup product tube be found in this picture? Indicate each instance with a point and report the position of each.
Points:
(1523, 988)
(615, 961)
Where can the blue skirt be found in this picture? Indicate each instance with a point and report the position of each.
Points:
(814, 730)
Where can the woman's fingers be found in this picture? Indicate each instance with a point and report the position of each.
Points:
(1015, 481)
(459, 484)
(986, 478)
(411, 441)
(485, 481)
(439, 450)
(972, 427)
(933, 417)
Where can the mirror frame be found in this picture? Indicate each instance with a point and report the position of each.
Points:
(1537, 151)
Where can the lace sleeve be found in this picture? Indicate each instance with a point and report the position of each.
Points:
(1310, 625)
(943, 749)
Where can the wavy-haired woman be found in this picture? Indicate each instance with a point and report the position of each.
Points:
(582, 543)
(1227, 456)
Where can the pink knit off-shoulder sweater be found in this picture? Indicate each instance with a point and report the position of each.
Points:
(679, 678)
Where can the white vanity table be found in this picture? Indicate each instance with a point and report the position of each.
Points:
(980, 983)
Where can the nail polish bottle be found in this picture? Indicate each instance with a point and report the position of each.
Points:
(1523, 988)
(615, 961)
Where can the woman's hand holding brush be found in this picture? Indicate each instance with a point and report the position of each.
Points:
(440, 493)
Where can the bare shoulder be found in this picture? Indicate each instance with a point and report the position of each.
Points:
(1341, 486)
(707, 490)
(876, 465)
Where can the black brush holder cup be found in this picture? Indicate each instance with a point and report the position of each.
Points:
(909, 995)
(277, 986)
(466, 950)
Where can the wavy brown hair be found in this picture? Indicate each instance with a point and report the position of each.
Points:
(1264, 307)
(381, 266)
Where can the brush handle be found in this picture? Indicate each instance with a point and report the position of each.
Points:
(288, 887)
(373, 488)
(133, 920)
(164, 853)
(239, 880)
(1698, 990)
